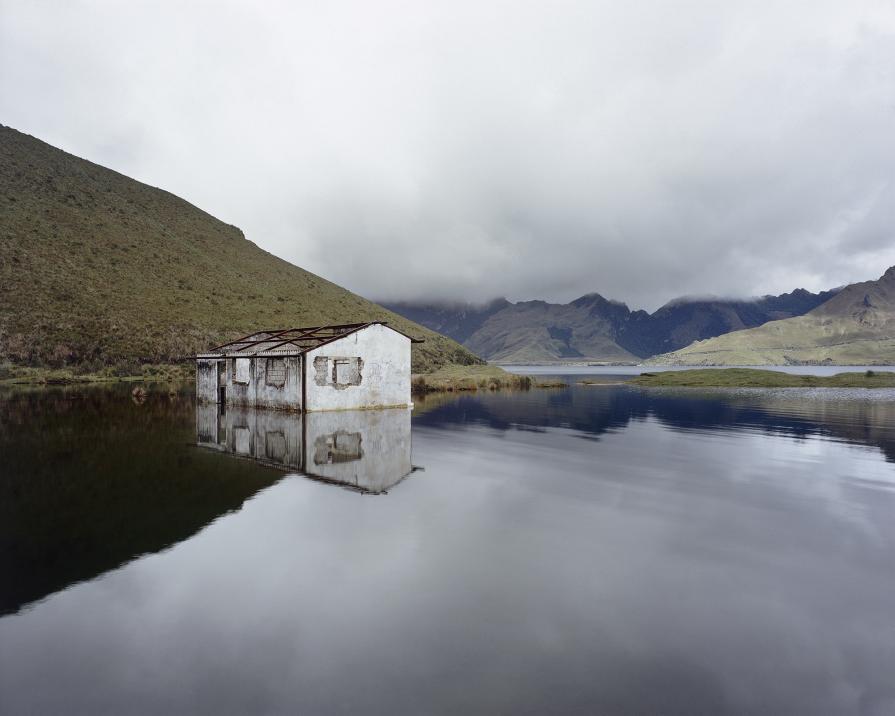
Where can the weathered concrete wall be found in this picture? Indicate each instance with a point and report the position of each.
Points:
(380, 378)
(207, 380)
(365, 449)
(285, 394)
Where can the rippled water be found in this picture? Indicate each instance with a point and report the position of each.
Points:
(589, 550)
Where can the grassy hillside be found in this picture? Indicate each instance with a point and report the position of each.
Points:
(855, 327)
(98, 269)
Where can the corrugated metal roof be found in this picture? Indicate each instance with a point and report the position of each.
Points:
(291, 341)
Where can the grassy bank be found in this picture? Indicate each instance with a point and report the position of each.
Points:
(756, 378)
(164, 373)
(475, 377)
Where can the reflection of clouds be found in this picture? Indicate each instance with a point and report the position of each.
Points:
(655, 571)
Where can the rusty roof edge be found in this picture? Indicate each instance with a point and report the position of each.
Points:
(360, 327)
(412, 339)
(271, 334)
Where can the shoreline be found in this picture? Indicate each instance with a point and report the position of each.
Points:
(449, 378)
(13, 375)
(757, 378)
(471, 378)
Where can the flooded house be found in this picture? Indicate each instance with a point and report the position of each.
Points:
(335, 367)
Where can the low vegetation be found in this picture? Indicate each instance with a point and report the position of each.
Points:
(755, 378)
(11, 374)
(478, 377)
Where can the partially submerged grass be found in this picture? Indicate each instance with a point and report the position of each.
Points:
(603, 381)
(756, 378)
(475, 377)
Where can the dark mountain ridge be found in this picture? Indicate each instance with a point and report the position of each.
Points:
(454, 319)
(595, 328)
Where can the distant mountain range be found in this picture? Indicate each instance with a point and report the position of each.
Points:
(593, 328)
(98, 269)
(856, 326)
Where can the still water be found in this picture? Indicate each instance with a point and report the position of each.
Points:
(600, 550)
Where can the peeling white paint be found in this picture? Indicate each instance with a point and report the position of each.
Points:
(384, 375)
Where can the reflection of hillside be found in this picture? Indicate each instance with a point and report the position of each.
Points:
(864, 422)
(89, 480)
(367, 450)
(598, 410)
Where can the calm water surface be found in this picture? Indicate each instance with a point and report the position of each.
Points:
(601, 550)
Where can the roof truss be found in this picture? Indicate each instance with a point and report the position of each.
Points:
(301, 339)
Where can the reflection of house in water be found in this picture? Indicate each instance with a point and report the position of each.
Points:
(368, 450)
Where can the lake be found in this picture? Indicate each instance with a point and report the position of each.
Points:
(599, 550)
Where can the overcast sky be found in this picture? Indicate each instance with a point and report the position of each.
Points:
(467, 150)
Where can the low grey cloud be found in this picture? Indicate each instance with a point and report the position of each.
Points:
(466, 150)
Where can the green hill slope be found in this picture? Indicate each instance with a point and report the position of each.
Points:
(98, 269)
(855, 327)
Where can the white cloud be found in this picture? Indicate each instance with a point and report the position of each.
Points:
(470, 149)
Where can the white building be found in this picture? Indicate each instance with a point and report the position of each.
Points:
(338, 367)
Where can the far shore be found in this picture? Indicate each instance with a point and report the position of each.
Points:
(757, 378)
